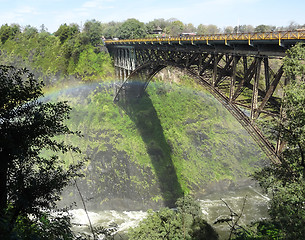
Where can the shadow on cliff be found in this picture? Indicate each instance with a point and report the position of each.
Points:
(142, 112)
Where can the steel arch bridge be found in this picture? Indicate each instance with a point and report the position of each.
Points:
(243, 71)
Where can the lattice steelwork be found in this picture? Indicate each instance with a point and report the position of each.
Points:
(229, 66)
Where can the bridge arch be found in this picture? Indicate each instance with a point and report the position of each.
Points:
(138, 80)
(237, 69)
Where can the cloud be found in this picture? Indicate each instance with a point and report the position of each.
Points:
(229, 2)
(20, 15)
(92, 8)
(92, 4)
(95, 4)
(26, 10)
(78, 14)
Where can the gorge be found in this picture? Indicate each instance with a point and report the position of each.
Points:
(176, 139)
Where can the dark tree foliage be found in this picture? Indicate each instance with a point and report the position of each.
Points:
(30, 32)
(111, 29)
(30, 183)
(160, 22)
(132, 28)
(93, 30)
(65, 32)
(285, 181)
(8, 32)
(184, 223)
(264, 28)
(175, 28)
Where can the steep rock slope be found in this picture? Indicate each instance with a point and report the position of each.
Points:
(145, 154)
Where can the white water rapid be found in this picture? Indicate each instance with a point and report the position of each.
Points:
(212, 205)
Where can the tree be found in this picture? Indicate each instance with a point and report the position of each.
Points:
(29, 31)
(65, 32)
(264, 28)
(160, 22)
(43, 29)
(132, 28)
(8, 32)
(292, 127)
(175, 28)
(228, 30)
(94, 31)
(185, 223)
(202, 29)
(92, 66)
(189, 28)
(293, 26)
(212, 29)
(111, 29)
(286, 181)
(243, 29)
(30, 182)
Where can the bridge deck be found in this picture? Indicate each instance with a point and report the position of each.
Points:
(265, 43)
(278, 37)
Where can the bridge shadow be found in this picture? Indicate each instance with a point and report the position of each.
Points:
(142, 112)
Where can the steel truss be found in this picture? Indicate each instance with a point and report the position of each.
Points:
(249, 86)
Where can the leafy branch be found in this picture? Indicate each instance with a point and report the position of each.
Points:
(232, 219)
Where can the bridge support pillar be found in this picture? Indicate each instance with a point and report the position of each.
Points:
(267, 73)
(216, 59)
(233, 78)
(254, 104)
(124, 62)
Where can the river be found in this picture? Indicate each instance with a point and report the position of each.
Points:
(213, 206)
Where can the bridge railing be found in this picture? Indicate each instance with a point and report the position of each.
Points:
(255, 36)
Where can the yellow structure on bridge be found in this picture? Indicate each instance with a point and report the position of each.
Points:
(226, 38)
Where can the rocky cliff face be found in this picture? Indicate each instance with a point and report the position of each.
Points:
(174, 140)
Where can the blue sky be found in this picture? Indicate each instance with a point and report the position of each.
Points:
(222, 13)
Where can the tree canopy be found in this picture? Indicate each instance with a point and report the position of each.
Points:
(65, 32)
(8, 32)
(93, 30)
(285, 182)
(175, 28)
(185, 223)
(132, 28)
(31, 173)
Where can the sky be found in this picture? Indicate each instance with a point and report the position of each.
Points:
(53, 13)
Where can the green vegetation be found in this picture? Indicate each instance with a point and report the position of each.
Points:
(8, 32)
(174, 140)
(52, 58)
(31, 182)
(285, 181)
(132, 28)
(184, 223)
